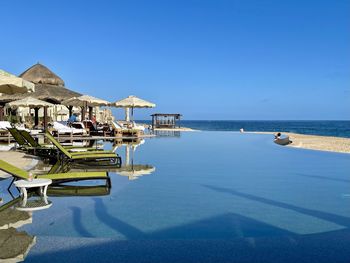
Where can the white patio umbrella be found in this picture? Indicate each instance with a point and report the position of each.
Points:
(132, 102)
(32, 103)
(11, 84)
(29, 102)
(134, 171)
(85, 101)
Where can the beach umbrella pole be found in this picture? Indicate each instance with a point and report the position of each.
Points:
(132, 114)
(127, 114)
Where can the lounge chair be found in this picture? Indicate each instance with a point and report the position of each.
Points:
(4, 125)
(18, 173)
(4, 133)
(25, 146)
(61, 129)
(73, 190)
(18, 138)
(95, 130)
(138, 127)
(100, 157)
(124, 131)
(32, 142)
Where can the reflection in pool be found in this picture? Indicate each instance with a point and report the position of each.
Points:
(214, 197)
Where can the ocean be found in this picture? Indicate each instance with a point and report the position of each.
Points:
(325, 128)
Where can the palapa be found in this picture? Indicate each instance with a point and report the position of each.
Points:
(48, 86)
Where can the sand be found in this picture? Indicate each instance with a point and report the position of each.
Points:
(315, 142)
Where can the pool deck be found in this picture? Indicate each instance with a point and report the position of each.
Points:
(19, 159)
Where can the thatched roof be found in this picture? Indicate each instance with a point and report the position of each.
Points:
(39, 74)
(48, 86)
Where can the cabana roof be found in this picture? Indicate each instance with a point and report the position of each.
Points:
(39, 74)
(48, 86)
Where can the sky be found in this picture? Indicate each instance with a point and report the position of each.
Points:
(208, 60)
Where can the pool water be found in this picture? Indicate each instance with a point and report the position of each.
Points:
(211, 197)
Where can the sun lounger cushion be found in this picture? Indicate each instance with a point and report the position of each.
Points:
(4, 125)
(63, 129)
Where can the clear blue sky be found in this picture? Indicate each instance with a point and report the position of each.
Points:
(247, 59)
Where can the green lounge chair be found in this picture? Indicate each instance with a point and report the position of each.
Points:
(18, 138)
(18, 173)
(25, 146)
(32, 142)
(73, 190)
(100, 157)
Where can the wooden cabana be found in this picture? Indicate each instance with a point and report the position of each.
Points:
(166, 120)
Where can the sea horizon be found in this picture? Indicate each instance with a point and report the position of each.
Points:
(336, 128)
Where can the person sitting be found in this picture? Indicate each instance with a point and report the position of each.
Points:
(93, 119)
(94, 122)
(72, 118)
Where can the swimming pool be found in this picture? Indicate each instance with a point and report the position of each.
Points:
(209, 197)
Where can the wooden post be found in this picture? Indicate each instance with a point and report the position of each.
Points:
(82, 113)
(45, 118)
(36, 116)
(1, 112)
(90, 113)
(70, 108)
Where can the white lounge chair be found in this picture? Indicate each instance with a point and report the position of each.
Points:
(4, 125)
(62, 129)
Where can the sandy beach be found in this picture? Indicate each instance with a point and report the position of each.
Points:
(315, 142)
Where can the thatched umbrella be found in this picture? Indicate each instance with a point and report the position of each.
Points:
(14, 245)
(134, 171)
(132, 102)
(85, 101)
(13, 218)
(48, 86)
(32, 103)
